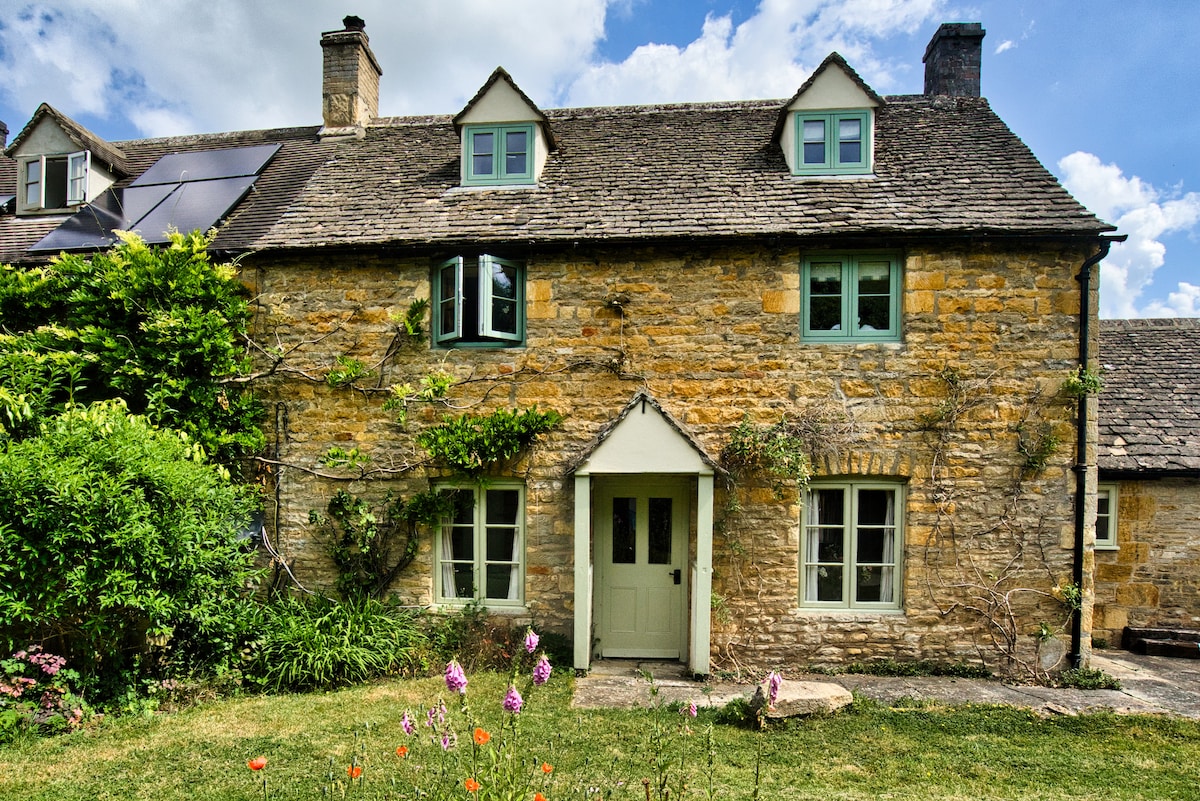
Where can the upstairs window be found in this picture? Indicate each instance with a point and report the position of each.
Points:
(849, 297)
(52, 183)
(481, 546)
(852, 544)
(498, 154)
(833, 143)
(1106, 517)
(478, 302)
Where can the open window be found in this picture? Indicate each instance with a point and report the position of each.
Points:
(479, 301)
(54, 182)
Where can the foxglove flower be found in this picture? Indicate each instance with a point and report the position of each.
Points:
(513, 701)
(456, 680)
(774, 680)
(689, 711)
(406, 723)
(531, 641)
(541, 671)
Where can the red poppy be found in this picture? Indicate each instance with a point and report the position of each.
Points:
(547, 767)
(354, 771)
(481, 737)
(539, 797)
(471, 785)
(258, 763)
(402, 751)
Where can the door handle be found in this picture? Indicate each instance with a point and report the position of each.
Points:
(677, 574)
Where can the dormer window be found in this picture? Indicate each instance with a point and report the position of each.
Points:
(834, 142)
(499, 154)
(55, 182)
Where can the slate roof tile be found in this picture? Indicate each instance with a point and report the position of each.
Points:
(1149, 405)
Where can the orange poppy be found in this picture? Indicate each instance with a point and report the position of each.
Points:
(547, 767)
(539, 797)
(354, 771)
(258, 763)
(481, 737)
(402, 751)
(471, 785)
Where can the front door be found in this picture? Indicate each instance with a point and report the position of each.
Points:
(641, 527)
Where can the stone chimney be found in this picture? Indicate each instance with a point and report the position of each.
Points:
(3, 135)
(952, 60)
(350, 80)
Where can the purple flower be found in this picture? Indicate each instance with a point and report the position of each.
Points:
(531, 641)
(774, 679)
(513, 701)
(430, 715)
(406, 723)
(456, 680)
(541, 671)
(449, 740)
(689, 710)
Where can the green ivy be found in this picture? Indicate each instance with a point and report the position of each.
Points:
(470, 443)
(780, 450)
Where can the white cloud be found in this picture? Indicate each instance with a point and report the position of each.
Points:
(1146, 214)
(1006, 45)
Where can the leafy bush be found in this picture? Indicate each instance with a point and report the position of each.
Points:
(891, 667)
(118, 535)
(1088, 679)
(468, 444)
(160, 328)
(319, 644)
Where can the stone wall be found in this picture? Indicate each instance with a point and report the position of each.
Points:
(713, 334)
(1153, 578)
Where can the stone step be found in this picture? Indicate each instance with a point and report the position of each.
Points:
(1134, 633)
(1180, 649)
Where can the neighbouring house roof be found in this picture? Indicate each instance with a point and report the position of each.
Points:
(300, 154)
(1149, 415)
(943, 167)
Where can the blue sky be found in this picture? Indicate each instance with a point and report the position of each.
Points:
(1104, 92)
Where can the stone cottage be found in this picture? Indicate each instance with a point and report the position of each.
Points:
(1148, 508)
(889, 289)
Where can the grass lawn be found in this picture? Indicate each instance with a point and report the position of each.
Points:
(868, 752)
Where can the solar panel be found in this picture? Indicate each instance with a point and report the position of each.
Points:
(180, 192)
(203, 165)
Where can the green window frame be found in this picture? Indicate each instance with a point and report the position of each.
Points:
(480, 546)
(1106, 517)
(850, 297)
(495, 155)
(833, 143)
(852, 545)
(478, 301)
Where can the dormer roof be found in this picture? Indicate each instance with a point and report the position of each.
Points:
(84, 139)
(834, 61)
(497, 100)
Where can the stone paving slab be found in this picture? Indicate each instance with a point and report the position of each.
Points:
(1150, 685)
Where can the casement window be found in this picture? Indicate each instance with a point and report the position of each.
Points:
(481, 546)
(55, 182)
(1106, 517)
(498, 154)
(849, 297)
(833, 143)
(478, 301)
(850, 556)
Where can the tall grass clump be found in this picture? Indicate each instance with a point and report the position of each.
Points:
(319, 644)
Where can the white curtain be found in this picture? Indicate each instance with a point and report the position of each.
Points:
(449, 588)
(889, 550)
(514, 571)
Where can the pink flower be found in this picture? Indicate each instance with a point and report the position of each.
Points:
(513, 701)
(406, 723)
(531, 641)
(774, 680)
(689, 711)
(541, 671)
(456, 680)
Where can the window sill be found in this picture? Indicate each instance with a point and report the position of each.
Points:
(1110, 548)
(866, 615)
(467, 188)
(518, 610)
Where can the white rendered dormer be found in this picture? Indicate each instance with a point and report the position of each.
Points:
(60, 164)
(505, 138)
(828, 127)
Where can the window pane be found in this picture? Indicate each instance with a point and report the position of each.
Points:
(516, 151)
(503, 505)
(462, 543)
(827, 580)
(874, 314)
(464, 507)
(825, 296)
(830, 545)
(624, 531)
(875, 507)
(498, 582)
(500, 544)
(825, 314)
(660, 531)
(868, 585)
(849, 141)
(56, 183)
(464, 582)
(482, 148)
(814, 142)
(871, 545)
(850, 130)
(33, 183)
(830, 505)
(447, 303)
(849, 152)
(874, 278)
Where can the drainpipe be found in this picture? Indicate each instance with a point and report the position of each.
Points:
(1081, 442)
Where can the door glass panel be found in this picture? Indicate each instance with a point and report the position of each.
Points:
(660, 531)
(624, 531)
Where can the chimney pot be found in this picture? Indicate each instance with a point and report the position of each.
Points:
(353, 23)
(953, 60)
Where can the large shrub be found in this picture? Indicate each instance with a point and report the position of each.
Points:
(162, 328)
(116, 534)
